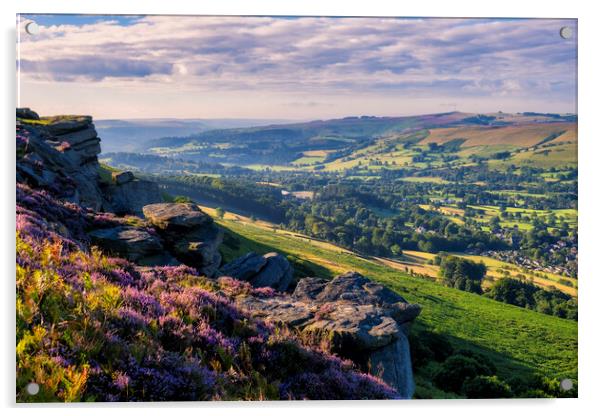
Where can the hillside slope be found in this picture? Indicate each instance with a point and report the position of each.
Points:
(520, 342)
(324, 141)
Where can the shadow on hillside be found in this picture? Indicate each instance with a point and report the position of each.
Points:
(507, 366)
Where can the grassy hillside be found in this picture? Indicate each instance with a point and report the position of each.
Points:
(520, 342)
(374, 142)
(520, 136)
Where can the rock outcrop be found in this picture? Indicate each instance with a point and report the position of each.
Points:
(134, 244)
(60, 154)
(270, 270)
(189, 234)
(359, 319)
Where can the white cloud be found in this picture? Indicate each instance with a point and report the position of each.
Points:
(305, 60)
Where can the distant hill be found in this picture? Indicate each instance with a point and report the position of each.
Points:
(128, 134)
(320, 143)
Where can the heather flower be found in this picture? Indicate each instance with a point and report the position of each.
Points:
(121, 277)
(121, 380)
(143, 302)
(112, 331)
(264, 292)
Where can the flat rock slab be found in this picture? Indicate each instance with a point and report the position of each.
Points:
(67, 124)
(176, 216)
(133, 243)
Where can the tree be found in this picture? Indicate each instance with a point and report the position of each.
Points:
(462, 273)
(219, 211)
(396, 250)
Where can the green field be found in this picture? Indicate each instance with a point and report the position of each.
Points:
(519, 341)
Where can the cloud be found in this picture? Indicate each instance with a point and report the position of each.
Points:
(93, 68)
(523, 58)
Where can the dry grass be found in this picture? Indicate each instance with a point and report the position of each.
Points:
(520, 136)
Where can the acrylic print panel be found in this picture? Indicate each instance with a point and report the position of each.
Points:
(283, 208)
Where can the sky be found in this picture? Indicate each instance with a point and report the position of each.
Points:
(293, 68)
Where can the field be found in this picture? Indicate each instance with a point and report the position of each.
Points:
(535, 144)
(417, 262)
(519, 341)
(518, 136)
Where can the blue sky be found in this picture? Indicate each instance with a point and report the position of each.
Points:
(294, 68)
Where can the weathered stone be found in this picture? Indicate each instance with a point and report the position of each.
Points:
(80, 138)
(68, 147)
(132, 243)
(176, 216)
(200, 249)
(270, 270)
(67, 124)
(131, 197)
(121, 178)
(361, 320)
(189, 234)
(27, 114)
(245, 267)
(277, 273)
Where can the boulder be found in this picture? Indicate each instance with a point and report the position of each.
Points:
(189, 234)
(200, 248)
(135, 244)
(121, 178)
(270, 270)
(277, 273)
(358, 319)
(245, 267)
(131, 197)
(61, 155)
(176, 217)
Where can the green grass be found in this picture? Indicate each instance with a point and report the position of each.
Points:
(519, 341)
(425, 179)
(41, 122)
(105, 171)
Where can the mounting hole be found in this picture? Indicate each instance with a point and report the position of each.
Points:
(566, 384)
(32, 389)
(566, 32)
(32, 28)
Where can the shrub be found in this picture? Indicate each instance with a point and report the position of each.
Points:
(456, 369)
(486, 387)
(428, 346)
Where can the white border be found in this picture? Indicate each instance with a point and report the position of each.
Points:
(590, 201)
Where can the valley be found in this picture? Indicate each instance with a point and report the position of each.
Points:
(485, 249)
(470, 321)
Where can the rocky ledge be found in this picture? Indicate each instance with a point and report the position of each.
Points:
(60, 154)
(356, 319)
